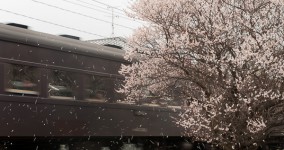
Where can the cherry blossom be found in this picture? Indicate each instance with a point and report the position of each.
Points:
(221, 60)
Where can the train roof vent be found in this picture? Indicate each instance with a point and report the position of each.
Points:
(113, 46)
(70, 36)
(18, 25)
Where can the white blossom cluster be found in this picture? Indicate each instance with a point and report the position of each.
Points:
(222, 59)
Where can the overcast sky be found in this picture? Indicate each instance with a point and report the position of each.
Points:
(91, 17)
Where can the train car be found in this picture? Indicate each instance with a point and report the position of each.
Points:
(60, 93)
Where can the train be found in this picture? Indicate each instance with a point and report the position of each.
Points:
(58, 92)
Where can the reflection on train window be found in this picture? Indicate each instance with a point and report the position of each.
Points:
(118, 83)
(154, 100)
(61, 85)
(96, 88)
(22, 79)
(103, 89)
(158, 102)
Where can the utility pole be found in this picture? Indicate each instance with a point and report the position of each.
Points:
(112, 19)
(112, 22)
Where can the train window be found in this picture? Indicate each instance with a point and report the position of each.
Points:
(154, 100)
(22, 79)
(118, 83)
(158, 102)
(61, 85)
(120, 97)
(96, 89)
(99, 89)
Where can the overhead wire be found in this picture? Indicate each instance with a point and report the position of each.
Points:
(55, 24)
(77, 13)
(107, 5)
(106, 12)
(86, 6)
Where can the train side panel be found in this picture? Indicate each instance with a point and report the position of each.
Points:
(25, 116)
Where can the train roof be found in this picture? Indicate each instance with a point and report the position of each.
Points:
(39, 39)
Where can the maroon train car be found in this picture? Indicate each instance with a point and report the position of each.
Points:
(63, 91)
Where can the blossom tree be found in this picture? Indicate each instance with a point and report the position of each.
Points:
(223, 59)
